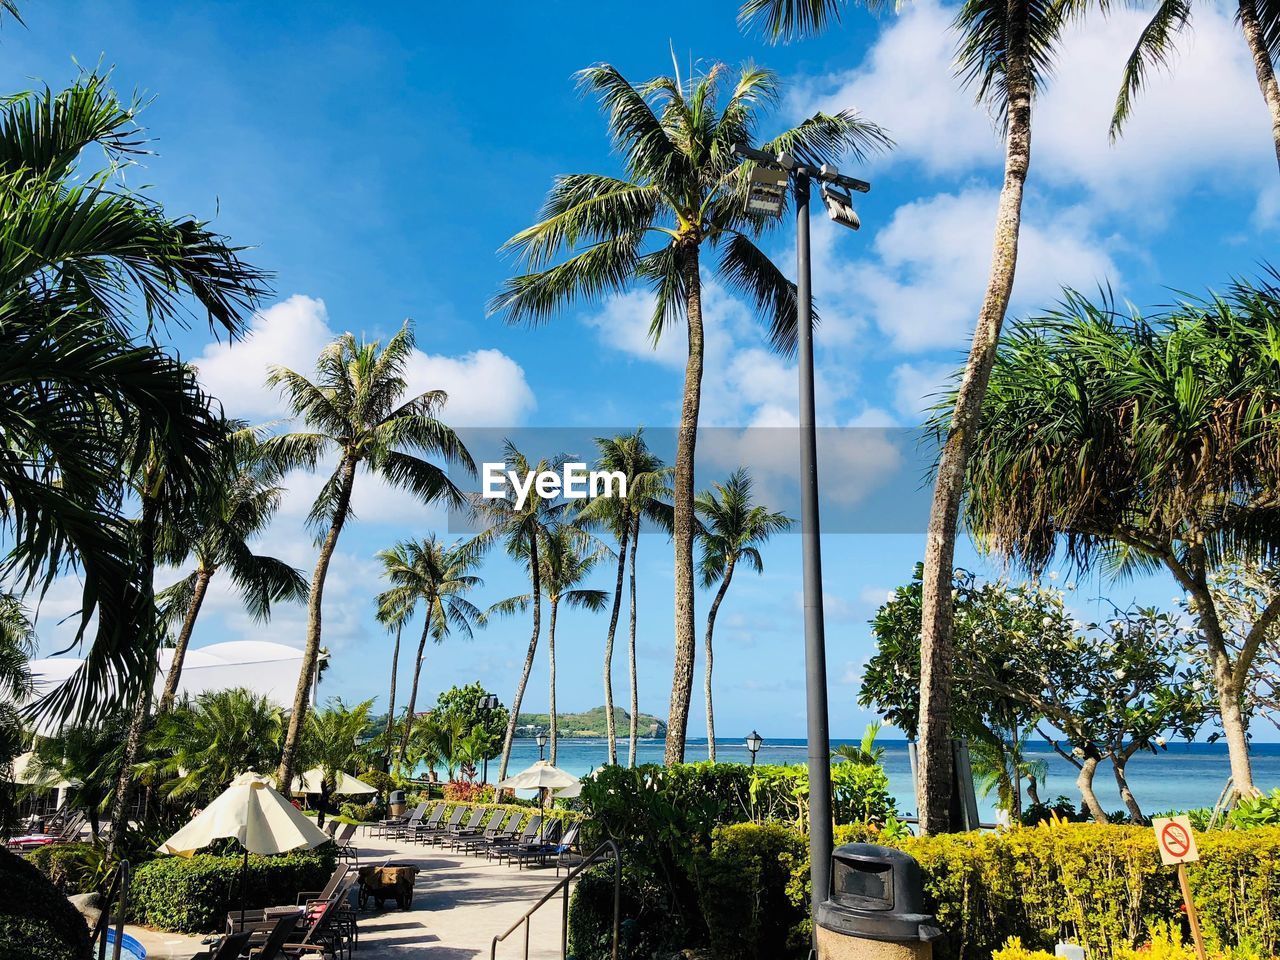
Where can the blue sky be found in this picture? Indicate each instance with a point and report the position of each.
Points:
(377, 156)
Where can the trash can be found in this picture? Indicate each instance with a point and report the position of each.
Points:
(875, 907)
(396, 800)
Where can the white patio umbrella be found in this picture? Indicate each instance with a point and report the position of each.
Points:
(541, 776)
(251, 811)
(309, 782)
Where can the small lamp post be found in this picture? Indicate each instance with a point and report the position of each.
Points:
(754, 743)
(488, 703)
(542, 745)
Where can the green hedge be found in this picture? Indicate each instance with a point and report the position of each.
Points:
(194, 894)
(71, 867)
(1102, 886)
(36, 921)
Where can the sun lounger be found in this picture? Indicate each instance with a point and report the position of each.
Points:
(428, 833)
(470, 828)
(542, 852)
(406, 829)
(390, 825)
(500, 849)
(499, 825)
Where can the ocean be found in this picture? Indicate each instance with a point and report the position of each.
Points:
(1185, 776)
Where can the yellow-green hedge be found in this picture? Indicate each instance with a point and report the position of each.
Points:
(1102, 886)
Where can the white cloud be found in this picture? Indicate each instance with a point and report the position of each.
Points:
(916, 386)
(485, 387)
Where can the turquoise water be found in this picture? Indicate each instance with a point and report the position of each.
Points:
(1184, 776)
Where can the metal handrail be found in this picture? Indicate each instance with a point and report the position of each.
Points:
(597, 856)
(120, 883)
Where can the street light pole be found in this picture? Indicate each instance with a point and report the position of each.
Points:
(767, 196)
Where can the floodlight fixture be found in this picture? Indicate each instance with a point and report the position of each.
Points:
(839, 204)
(766, 190)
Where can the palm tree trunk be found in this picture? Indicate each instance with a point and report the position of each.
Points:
(634, 721)
(936, 653)
(1118, 763)
(711, 625)
(551, 672)
(611, 726)
(1084, 781)
(686, 441)
(203, 576)
(513, 719)
(311, 654)
(391, 698)
(413, 687)
(1254, 37)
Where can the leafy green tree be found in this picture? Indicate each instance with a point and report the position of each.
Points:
(865, 753)
(1005, 53)
(565, 557)
(437, 577)
(487, 725)
(332, 744)
(1134, 443)
(217, 536)
(732, 527)
(88, 757)
(356, 408)
(519, 527)
(17, 646)
(647, 480)
(682, 189)
(203, 743)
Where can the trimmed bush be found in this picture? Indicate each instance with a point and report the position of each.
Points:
(362, 812)
(71, 867)
(194, 894)
(644, 930)
(36, 920)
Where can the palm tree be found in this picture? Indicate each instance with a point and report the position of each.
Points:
(520, 531)
(357, 409)
(392, 616)
(199, 746)
(218, 535)
(436, 576)
(731, 531)
(1138, 443)
(1006, 50)
(629, 455)
(1259, 24)
(1001, 765)
(89, 757)
(866, 753)
(565, 557)
(84, 255)
(332, 743)
(682, 189)
(17, 646)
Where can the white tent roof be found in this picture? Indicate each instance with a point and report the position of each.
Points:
(218, 666)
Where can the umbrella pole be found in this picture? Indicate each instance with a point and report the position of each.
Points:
(244, 873)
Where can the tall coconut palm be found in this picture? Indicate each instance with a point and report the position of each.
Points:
(437, 577)
(628, 454)
(682, 190)
(357, 409)
(217, 536)
(84, 258)
(1005, 52)
(1156, 46)
(391, 616)
(519, 528)
(565, 557)
(731, 531)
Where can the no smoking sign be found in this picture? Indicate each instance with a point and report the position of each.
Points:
(1176, 842)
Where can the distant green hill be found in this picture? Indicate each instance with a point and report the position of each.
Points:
(592, 723)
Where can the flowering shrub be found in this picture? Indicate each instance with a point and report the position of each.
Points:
(465, 791)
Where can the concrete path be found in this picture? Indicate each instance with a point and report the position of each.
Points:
(459, 904)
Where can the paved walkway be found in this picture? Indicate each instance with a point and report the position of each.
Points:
(460, 903)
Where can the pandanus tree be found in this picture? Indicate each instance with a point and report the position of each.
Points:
(731, 530)
(218, 536)
(84, 260)
(357, 411)
(648, 479)
(436, 578)
(1006, 49)
(681, 190)
(1133, 443)
(519, 526)
(566, 556)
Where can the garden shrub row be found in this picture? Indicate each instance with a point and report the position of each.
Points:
(71, 867)
(194, 894)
